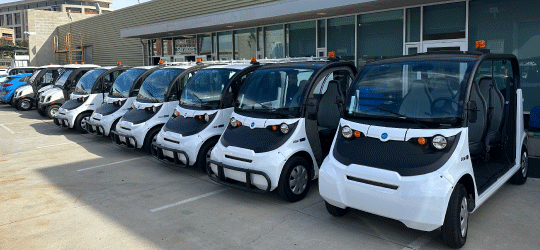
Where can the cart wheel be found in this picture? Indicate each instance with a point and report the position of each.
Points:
(295, 179)
(52, 111)
(335, 211)
(41, 112)
(456, 222)
(24, 105)
(520, 177)
(204, 154)
(81, 122)
(13, 103)
(150, 137)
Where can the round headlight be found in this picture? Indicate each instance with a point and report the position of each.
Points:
(347, 132)
(206, 117)
(439, 142)
(176, 112)
(284, 128)
(234, 122)
(133, 106)
(155, 109)
(48, 99)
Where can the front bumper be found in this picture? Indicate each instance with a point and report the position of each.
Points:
(419, 202)
(128, 135)
(100, 125)
(174, 148)
(65, 118)
(261, 170)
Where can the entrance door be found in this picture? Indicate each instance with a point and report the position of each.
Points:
(459, 45)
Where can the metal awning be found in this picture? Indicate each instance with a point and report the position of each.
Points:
(264, 14)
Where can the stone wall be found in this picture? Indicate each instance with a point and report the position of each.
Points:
(42, 28)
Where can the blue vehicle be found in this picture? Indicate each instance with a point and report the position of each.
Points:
(10, 84)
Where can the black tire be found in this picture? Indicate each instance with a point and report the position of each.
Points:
(520, 177)
(24, 105)
(203, 155)
(294, 191)
(150, 138)
(452, 233)
(113, 127)
(13, 103)
(56, 122)
(81, 122)
(335, 211)
(41, 112)
(51, 111)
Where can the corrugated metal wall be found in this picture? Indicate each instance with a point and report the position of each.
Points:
(103, 32)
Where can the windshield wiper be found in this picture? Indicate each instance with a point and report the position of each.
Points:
(201, 101)
(262, 105)
(402, 116)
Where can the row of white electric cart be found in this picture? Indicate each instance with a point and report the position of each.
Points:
(422, 139)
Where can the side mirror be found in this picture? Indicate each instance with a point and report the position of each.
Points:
(228, 100)
(473, 111)
(312, 108)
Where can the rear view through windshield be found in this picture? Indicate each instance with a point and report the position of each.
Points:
(85, 84)
(156, 84)
(123, 83)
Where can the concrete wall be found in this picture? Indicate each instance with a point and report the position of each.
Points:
(42, 27)
(103, 32)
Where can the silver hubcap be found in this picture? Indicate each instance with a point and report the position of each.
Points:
(298, 179)
(25, 104)
(464, 217)
(84, 122)
(54, 111)
(524, 164)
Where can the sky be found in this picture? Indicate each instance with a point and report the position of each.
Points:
(117, 4)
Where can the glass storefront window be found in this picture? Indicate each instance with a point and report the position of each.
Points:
(302, 39)
(413, 25)
(260, 39)
(245, 44)
(185, 45)
(341, 37)
(204, 45)
(380, 35)
(225, 46)
(445, 21)
(159, 48)
(321, 33)
(511, 27)
(274, 42)
(168, 47)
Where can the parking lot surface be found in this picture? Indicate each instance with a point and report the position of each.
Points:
(63, 190)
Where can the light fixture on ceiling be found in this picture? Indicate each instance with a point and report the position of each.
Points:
(321, 13)
(230, 26)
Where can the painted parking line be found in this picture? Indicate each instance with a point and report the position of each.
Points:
(187, 200)
(9, 130)
(60, 144)
(108, 164)
(418, 243)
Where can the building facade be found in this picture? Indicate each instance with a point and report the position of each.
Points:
(13, 15)
(357, 30)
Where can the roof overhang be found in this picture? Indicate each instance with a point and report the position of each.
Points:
(262, 15)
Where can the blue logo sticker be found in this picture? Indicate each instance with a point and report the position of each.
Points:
(384, 136)
(252, 124)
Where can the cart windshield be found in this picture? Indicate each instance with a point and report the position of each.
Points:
(430, 91)
(85, 84)
(123, 83)
(33, 77)
(205, 88)
(64, 75)
(277, 92)
(156, 84)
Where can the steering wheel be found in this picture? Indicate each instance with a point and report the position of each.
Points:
(447, 108)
